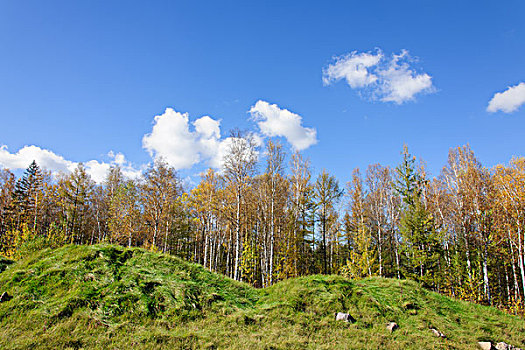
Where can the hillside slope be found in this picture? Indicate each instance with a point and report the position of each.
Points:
(111, 297)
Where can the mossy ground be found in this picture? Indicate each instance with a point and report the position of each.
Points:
(109, 297)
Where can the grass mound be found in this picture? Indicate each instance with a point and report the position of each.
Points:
(111, 297)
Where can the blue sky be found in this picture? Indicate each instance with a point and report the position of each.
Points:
(80, 79)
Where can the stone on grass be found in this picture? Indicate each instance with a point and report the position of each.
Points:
(504, 346)
(341, 316)
(392, 326)
(437, 333)
(485, 345)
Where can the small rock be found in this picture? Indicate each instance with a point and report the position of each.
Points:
(5, 297)
(485, 345)
(392, 326)
(504, 346)
(341, 316)
(437, 333)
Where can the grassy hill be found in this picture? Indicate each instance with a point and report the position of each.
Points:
(110, 297)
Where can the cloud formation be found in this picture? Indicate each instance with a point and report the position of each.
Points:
(354, 68)
(177, 141)
(98, 170)
(55, 163)
(509, 100)
(44, 158)
(274, 121)
(387, 79)
(172, 140)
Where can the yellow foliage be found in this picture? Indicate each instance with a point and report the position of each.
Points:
(14, 239)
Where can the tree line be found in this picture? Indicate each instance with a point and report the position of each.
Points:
(459, 233)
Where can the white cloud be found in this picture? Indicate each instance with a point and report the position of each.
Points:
(222, 150)
(274, 121)
(354, 68)
(208, 134)
(208, 127)
(172, 140)
(388, 79)
(175, 139)
(128, 170)
(119, 159)
(55, 163)
(225, 145)
(509, 100)
(97, 170)
(400, 83)
(44, 158)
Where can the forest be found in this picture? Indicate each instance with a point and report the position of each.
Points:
(264, 218)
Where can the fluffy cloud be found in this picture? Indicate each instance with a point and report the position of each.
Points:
(274, 121)
(509, 100)
(99, 170)
(43, 157)
(176, 140)
(354, 68)
(400, 83)
(57, 164)
(223, 147)
(388, 79)
(208, 134)
(172, 140)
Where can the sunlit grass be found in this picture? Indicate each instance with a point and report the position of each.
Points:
(107, 296)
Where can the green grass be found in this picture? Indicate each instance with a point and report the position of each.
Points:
(4, 263)
(109, 297)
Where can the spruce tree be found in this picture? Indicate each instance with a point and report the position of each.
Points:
(420, 245)
(28, 195)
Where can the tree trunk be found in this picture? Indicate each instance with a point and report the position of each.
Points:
(520, 259)
(486, 286)
(165, 249)
(272, 233)
(237, 237)
(513, 262)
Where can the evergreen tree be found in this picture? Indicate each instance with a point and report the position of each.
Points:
(420, 244)
(28, 196)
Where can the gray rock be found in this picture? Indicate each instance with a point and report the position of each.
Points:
(392, 326)
(504, 346)
(341, 316)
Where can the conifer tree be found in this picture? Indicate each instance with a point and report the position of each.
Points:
(28, 196)
(420, 242)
